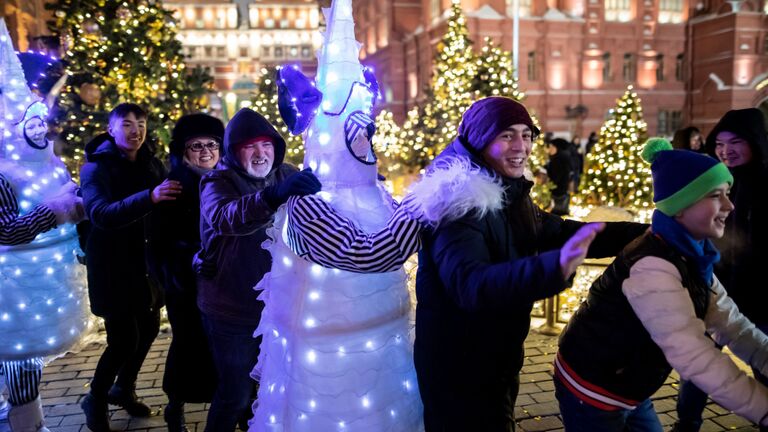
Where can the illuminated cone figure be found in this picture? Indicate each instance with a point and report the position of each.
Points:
(337, 347)
(43, 306)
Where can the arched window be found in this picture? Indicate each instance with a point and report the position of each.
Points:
(680, 67)
(532, 72)
(607, 67)
(524, 8)
(629, 69)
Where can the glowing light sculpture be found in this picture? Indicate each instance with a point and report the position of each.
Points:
(337, 348)
(43, 296)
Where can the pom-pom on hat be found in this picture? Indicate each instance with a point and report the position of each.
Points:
(681, 177)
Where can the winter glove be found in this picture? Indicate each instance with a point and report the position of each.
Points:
(302, 183)
(66, 205)
(206, 269)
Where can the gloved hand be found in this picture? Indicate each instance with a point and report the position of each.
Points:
(206, 269)
(302, 183)
(66, 205)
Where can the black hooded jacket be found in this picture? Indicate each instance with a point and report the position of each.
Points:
(744, 247)
(119, 248)
(233, 224)
(476, 284)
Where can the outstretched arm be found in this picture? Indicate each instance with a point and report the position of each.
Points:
(15, 229)
(655, 291)
(317, 233)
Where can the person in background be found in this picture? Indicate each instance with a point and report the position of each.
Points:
(189, 372)
(560, 171)
(688, 139)
(739, 141)
(122, 184)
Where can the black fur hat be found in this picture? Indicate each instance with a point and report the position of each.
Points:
(192, 126)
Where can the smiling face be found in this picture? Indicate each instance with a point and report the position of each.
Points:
(35, 130)
(706, 218)
(508, 153)
(129, 133)
(256, 156)
(732, 149)
(202, 152)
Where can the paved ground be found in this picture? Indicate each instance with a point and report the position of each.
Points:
(66, 379)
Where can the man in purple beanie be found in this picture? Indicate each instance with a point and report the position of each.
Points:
(480, 274)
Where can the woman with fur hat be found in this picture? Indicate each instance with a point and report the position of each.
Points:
(649, 311)
(194, 150)
(739, 141)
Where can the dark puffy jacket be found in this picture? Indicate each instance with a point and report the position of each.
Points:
(606, 344)
(744, 246)
(233, 224)
(119, 249)
(476, 284)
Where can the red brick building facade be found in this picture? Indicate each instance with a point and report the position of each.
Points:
(689, 62)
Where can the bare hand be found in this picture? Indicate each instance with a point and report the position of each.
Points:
(168, 190)
(575, 249)
(66, 205)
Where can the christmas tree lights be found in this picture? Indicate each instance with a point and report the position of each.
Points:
(265, 103)
(614, 173)
(120, 51)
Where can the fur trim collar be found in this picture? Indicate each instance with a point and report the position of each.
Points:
(454, 187)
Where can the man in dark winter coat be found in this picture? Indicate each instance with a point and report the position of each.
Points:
(194, 151)
(122, 182)
(739, 141)
(560, 172)
(238, 203)
(479, 276)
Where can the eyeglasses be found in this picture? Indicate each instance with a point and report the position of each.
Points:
(198, 146)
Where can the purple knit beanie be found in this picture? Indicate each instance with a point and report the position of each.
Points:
(488, 117)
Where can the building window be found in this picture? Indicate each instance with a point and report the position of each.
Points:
(676, 120)
(607, 67)
(524, 9)
(306, 51)
(413, 85)
(294, 52)
(243, 51)
(679, 68)
(669, 122)
(618, 10)
(660, 67)
(670, 11)
(532, 72)
(278, 52)
(199, 23)
(265, 52)
(629, 69)
(208, 52)
(269, 23)
(663, 124)
(221, 52)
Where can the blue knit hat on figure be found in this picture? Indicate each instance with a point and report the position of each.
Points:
(681, 177)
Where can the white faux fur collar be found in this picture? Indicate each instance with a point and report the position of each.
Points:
(454, 187)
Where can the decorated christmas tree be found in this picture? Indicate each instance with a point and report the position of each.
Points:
(451, 91)
(120, 51)
(265, 103)
(494, 74)
(614, 173)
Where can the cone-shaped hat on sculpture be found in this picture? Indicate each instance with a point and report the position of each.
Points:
(346, 88)
(17, 103)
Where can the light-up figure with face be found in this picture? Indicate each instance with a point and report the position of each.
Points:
(337, 347)
(43, 292)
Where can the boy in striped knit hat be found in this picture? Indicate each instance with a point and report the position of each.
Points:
(649, 311)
